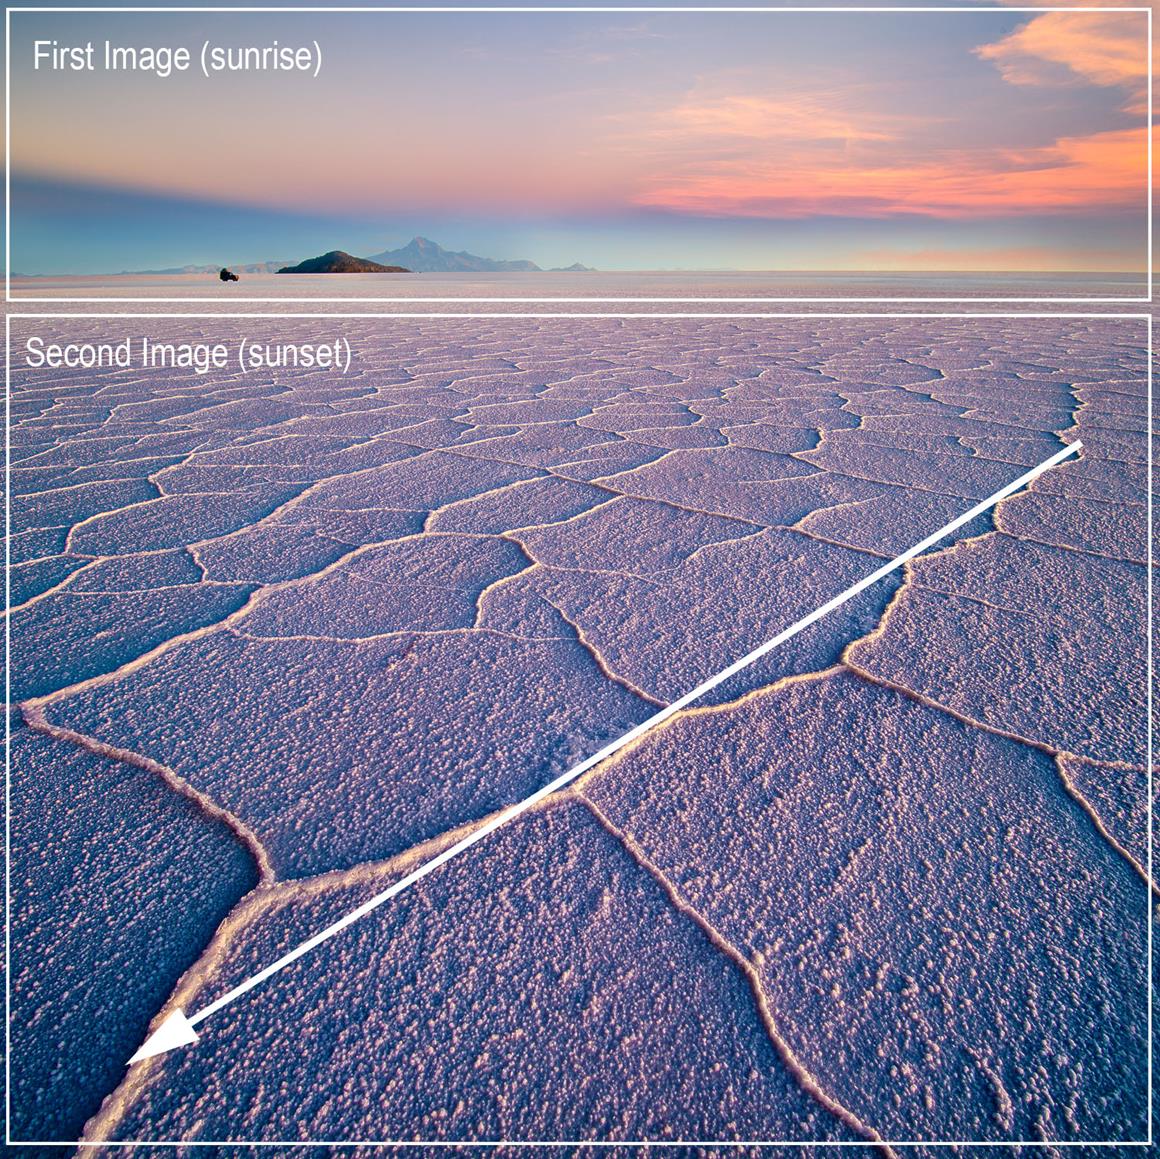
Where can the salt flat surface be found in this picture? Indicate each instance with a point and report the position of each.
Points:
(622, 284)
(100, 851)
(887, 883)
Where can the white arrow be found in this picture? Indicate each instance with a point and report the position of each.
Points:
(177, 1030)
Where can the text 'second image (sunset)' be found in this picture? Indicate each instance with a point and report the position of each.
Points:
(579, 579)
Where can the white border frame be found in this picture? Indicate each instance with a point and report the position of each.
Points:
(1064, 300)
(273, 318)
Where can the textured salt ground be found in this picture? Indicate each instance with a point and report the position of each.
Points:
(660, 634)
(72, 636)
(755, 461)
(1056, 631)
(628, 1023)
(337, 752)
(933, 917)
(100, 852)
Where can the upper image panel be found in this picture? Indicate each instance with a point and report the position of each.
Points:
(984, 153)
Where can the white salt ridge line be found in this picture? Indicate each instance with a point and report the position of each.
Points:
(177, 1029)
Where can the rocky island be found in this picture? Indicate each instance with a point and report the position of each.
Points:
(340, 262)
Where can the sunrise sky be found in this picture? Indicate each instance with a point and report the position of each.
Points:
(779, 140)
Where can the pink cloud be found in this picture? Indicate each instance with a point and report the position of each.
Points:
(1105, 170)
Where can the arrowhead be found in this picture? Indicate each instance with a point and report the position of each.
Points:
(173, 1032)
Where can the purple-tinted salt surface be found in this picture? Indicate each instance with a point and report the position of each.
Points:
(1035, 641)
(339, 750)
(68, 635)
(661, 631)
(569, 999)
(946, 946)
(888, 882)
(117, 883)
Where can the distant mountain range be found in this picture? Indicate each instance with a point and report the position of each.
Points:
(250, 268)
(419, 255)
(340, 262)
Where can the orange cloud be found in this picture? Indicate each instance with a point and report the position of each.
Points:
(1102, 48)
(1104, 170)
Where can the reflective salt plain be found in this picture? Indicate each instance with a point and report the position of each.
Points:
(611, 290)
(275, 640)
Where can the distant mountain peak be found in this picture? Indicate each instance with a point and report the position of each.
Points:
(429, 257)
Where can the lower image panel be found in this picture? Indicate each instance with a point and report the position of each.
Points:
(281, 636)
